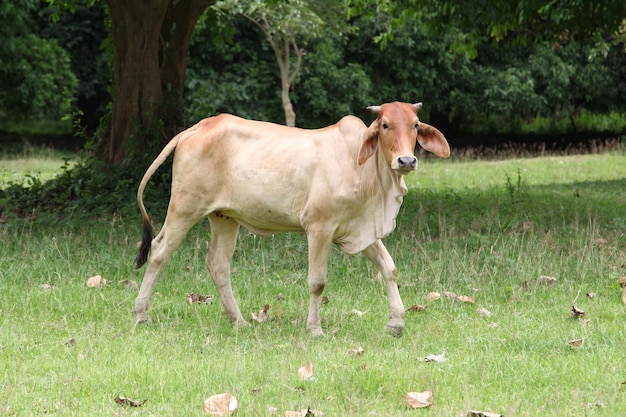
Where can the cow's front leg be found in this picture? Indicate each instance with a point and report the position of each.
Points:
(378, 254)
(319, 242)
(224, 231)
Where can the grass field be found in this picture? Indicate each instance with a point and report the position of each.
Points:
(485, 229)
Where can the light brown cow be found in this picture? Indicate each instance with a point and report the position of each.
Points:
(342, 184)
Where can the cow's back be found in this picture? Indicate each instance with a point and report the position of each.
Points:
(266, 175)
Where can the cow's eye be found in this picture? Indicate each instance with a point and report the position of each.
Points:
(415, 127)
(385, 126)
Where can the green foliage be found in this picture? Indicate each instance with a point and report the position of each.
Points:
(35, 77)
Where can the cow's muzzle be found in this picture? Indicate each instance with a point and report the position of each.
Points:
(405, 164)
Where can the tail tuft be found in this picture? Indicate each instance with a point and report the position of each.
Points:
(146, 242)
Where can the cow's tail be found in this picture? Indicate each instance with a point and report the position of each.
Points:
(146, 239)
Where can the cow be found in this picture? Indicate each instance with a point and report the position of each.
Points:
(341, 184)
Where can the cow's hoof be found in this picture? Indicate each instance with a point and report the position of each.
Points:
(140, 317)
(395, 331)
(241, 323)
(316, 332)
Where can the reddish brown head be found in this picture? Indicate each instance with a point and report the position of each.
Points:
(396, 131)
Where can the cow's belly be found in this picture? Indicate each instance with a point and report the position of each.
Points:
(264, 221)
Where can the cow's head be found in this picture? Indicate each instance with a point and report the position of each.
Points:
(397, 131)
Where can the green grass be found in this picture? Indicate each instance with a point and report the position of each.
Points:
(21, 163)
(473, 227)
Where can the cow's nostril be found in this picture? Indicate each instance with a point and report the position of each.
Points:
(407, 162)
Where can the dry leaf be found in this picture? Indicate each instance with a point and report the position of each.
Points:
(591, 295)
(324, 300)
(417, 307)
(419, 399)
(451, 295)
(357, 313)
(483, 312)
(46, 287)
(483, 414)
(543, 280)
(96, 282)
(436, 358)
(433, 296)
(528, 226)
(127, 402)
(262, 314)
(465, 298)
(603, 243)
(199, 299)
(220, 404)
(356, 352)
(129, 283)
(305, 412)
(576, 342)
(577, 312)
(70, 342)
(306, 372)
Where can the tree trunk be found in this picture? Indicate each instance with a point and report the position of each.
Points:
(150, 43)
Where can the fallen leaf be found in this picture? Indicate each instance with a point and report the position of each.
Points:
(280, 297)
(262, 314)
(199, 299)
(419, 399)
(220, 404)
(324, 300)
(483, 312)
(96, 282)
(129, 283)
(483, 414)
(436, 358)
(602, 242)
(591, 295)
(433, 296)
(543, 280)
(577, 312)
(356, 352)
(465, 298)
(305, 412)
(576, 342)
(417, 307)
(306, 372)
(70, 342)
(357, 313)
(451, 295)
(528, 226)
(46, 287)
(127, 402)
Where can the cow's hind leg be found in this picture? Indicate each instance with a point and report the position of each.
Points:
(163, 246)
(224, 231)
(379, 255)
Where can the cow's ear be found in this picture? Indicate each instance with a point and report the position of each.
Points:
(431, 139)
(370, 142)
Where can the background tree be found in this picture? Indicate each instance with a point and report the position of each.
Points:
(287, 26)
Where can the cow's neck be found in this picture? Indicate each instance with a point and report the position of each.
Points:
(391, 188)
